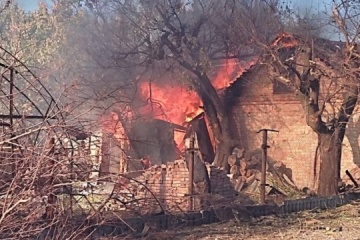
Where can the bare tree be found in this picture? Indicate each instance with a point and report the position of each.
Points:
(321, 72)
(183, 37)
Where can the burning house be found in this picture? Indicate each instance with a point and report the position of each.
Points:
(148, 143)
(155, 133)
(254, 100)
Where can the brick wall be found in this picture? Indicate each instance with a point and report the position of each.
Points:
(220, 182)
(169, 184)
(295, 145)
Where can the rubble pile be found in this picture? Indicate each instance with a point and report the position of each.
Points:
(245, 174)
(166, 186)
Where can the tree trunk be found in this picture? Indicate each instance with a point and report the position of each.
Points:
(327, 165)
(218, 119)
(330, 146)
(223, 151)
(219, 123)
(330, 138)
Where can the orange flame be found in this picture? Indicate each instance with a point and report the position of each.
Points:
(229, 71)
(169, 103)
(111, 124)
(177, 104)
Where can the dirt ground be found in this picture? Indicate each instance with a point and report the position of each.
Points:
(339, 223)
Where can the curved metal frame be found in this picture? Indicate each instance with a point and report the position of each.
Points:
(15, 67)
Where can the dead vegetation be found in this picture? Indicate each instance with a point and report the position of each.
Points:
(339, 223)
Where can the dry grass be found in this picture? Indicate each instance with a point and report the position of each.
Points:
(339, 223)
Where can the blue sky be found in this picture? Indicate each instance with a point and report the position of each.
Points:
(31, 4)
(313, 4)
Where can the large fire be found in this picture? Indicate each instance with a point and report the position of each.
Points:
(178, 105)
(227, 72)
(175, 103)
(169, 103)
